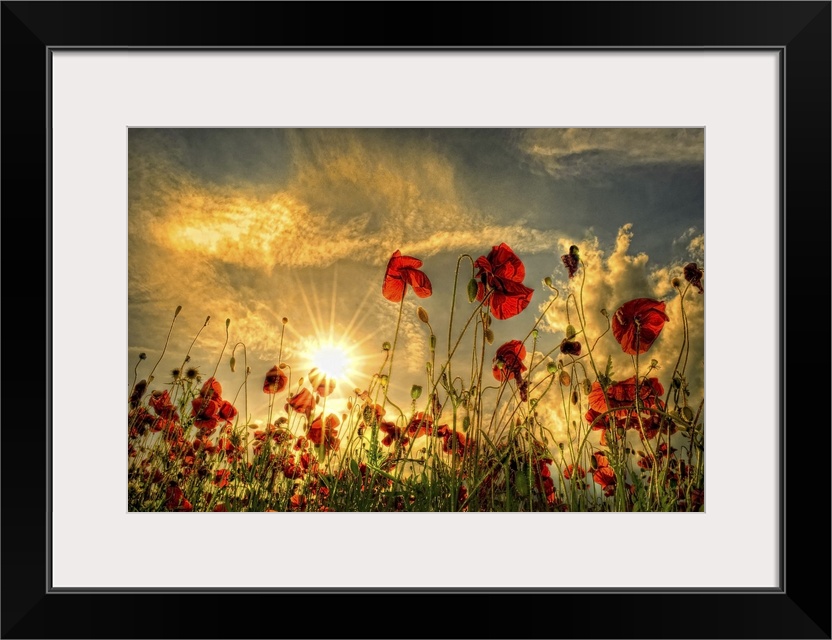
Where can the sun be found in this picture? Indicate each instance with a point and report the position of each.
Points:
(332, 359)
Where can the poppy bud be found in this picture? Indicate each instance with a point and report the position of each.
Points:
(233, 362)
(676, 283)
(587, 386)
(575, 397)
(227, 322)
(570, 332)
(386, 346)
(466, 423)
(178, 309)
(565, 380)
(551, 367)
(384, 379)
(687, 414)
(432, 342)
(423, 315)
(472, 290)
(142, 356)
(489, 336)
(535, 333)
(415, 391)
(428, 367)
(547, 281)
(285, 321)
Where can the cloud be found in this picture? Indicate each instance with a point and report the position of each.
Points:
(570, 152)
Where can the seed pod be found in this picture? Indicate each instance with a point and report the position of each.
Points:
(472, 290)
(386, 346)
(415, 391)
(551, 367)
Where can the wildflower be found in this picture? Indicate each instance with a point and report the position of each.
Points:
(501, 275)
(175, 499)
(160, 401)
(510, 356)
(401, 271)
(211, 388)
(138, 392)
(570, 348)
(571, 260)
(302, 402)
(221, 478)
(420, 425)
(297, 502)
(576, 470)
(393, 434)
(205, 413)
(453, 442)
(275, 380)
(693, 274)
(324, 432)
(323, 383)
(637, 323)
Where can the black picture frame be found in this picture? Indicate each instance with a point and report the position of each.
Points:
(800, 31)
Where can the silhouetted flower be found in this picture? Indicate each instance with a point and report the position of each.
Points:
(500, 276)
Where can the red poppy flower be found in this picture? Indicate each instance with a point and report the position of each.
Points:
(637, 323)
(454, 441)
(420, 425)
(403, 271)
(571, 260)
(302, 402)
(324, 433)
(622, 397)
(578, 470)
(605, 476)
(297, 502)
(570, 348)
(275, 381)
(211, 389)
(175, 499)
(508, 363)
(693, 274)
(227, 411)
(160, 401)
(501, 273)
(323, 383)
(221, 478)
(393, 434)
(205, 413)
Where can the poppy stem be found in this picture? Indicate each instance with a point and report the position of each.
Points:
(393, 352)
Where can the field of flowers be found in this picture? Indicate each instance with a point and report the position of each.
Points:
(472, 438)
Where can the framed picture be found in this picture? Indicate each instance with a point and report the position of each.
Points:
(197, 160)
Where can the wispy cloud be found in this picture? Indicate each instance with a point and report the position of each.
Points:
(569, 152)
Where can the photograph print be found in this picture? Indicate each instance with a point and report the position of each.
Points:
(415, 320)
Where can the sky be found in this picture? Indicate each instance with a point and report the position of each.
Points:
(257, 225)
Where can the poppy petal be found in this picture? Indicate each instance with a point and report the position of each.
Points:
(420, 283)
